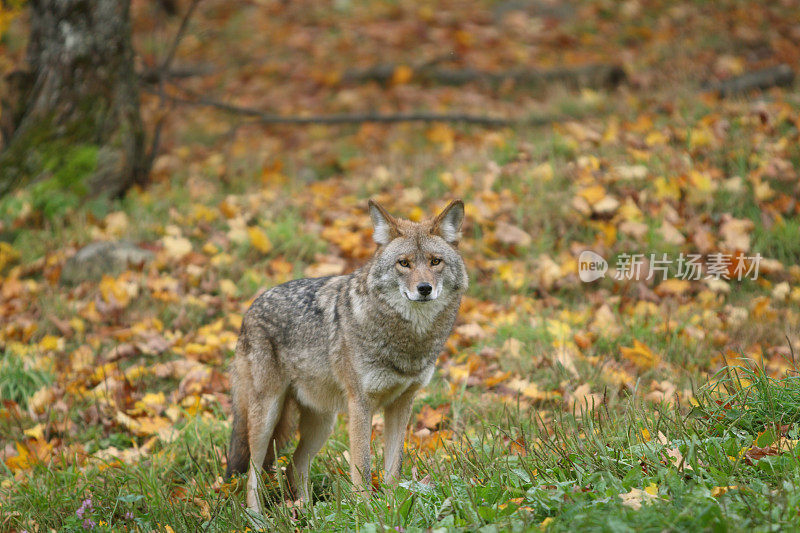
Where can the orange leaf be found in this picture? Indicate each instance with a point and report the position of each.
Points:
(640, 355)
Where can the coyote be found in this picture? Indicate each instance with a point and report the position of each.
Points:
(312, 348)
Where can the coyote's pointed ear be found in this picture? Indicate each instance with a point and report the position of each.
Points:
(447, 224)
(384, 223)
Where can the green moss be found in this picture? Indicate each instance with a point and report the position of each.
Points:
(71, 169)
(68, 171)
(55, 169)
(50, 148)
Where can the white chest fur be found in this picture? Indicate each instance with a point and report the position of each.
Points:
(385, 385)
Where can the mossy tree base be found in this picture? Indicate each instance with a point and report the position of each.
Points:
(81, 130)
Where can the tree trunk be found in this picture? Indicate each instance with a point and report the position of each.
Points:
(80, 129)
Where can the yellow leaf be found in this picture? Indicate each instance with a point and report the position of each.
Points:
(117, 290)
(36, 432)
(464, 38)
(512, 274)
(151, 402)
(259, 239)
(700, 138)
(667, 189)
(78, 325)
(672, 287)
(559, 330)
(41, 399)
(636, 497)
(198, 349)
(8, 255)
(646, 435)
(151, 425)
(136, 372)
(651, 489)
(498, 377)
(542, 172)
(117, 223)
(228, 209)
(592, 194)
(416, 214)
(235, 321)
(228, 287)
(176, 247)
(459, 373)
(640, 355)
(533, 392)
(716, 492)
(655, 137)
(50, 343)
(402, 74)
(102, 372)
(22, 461)
(700, 187)
(441, 133)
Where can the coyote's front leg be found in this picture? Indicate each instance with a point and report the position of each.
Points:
(396, 417)
(360, 428)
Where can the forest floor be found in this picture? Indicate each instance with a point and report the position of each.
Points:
(664, 401)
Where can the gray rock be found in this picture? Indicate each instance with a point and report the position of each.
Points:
(105, 257)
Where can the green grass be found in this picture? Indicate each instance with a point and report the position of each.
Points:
(747, 398)
(781, 241)
(570, 470)
(18, 379)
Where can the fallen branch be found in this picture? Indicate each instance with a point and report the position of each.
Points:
(589, 76)
(779, 76)
(357, 118)
(153, 75)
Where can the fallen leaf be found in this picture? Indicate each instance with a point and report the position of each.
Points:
(512, 235)
(176, 247)
(636, 497)
(259, 239)
(716, 492)
(640, 355)
(735, 233)
(431, 418)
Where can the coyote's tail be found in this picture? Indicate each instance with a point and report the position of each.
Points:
(239, 449)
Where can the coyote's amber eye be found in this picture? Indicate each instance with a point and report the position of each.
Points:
(404, 263)
(435, 261)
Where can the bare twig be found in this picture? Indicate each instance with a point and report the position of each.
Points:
(154, 75)
(178, 36)
(162, 75)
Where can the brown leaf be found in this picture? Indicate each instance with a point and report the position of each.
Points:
(430, 418)
(755, 453)
(736, 233)
(512, 235)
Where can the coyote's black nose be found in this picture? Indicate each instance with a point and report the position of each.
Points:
(424, 289)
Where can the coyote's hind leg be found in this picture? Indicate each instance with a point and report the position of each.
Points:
(262, 417)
